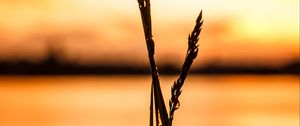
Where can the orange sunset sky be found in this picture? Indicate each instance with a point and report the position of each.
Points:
(235, 32)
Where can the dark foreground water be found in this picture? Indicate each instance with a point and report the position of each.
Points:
(124, 100)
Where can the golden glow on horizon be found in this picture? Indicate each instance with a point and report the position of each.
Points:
(236, 25)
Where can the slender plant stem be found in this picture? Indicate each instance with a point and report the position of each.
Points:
(144, 6)
(151, 106)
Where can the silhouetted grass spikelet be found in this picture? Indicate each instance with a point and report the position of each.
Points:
(190, 56)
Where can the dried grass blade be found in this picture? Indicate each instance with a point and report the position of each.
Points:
(144, 6)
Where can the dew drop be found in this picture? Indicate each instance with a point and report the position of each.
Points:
(177, 105)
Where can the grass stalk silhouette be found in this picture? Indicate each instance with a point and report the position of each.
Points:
(191, 54)
(160, 108)
(161, 115)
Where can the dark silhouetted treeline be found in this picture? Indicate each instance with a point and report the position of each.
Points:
(52, 67)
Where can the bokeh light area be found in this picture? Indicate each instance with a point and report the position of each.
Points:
(73, 48)
(247, 33)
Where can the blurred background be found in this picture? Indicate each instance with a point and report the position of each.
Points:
(85, 63)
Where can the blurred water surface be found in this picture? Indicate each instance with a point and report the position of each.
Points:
(231, 100)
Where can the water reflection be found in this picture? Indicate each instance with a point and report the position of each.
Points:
(124, 100)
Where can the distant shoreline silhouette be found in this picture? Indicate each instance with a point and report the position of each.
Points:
(52, 66)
